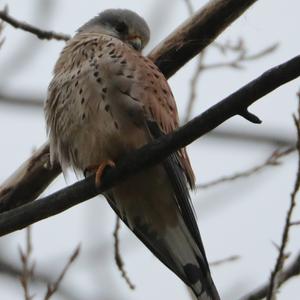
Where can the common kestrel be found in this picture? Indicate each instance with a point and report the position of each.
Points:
(106, 99)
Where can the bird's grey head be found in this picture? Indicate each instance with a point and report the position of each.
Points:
(123, 24)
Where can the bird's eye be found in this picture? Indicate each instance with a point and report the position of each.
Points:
(121, 27)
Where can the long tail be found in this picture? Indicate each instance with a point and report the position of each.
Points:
(161, 216)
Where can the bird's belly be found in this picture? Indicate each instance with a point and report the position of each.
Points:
(96, 141)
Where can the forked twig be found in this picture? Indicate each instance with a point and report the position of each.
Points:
(274, 282)
(41, 34)
(118, 258)
(52, 289)
(27, 266)
(272, 160)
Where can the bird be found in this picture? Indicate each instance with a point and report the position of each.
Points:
(107, 99)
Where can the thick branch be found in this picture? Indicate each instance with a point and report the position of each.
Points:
(34, 173)
(182, 45)
(235, 104)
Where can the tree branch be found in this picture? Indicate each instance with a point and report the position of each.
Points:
(8, 269)
(118, 257)
(285, 236)
(149, 155)
(41, 34)
(27, 266)
(170, 55)
(29, 180)
(197, 33)
(223, 261)
(292, 270)
(54, 287)
(272, 160)
(22, 101)
(279, 274)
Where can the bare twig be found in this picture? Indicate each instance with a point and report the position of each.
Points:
(237, 46)
(295, 223)
(292, 270)
(1, 29)
(253, 136)
(170, 55)
(157, 150)
(27, 266)
(10, 269)
(118, 257)
(236, 63)
(193, 86)
(280, 274)
(243, 56)
(21, 100)
(198, 32)
(201, 66)
(189, 6)
(223, 261)
(41, 34)
(285, 236)
(272, 160)
(52, 289)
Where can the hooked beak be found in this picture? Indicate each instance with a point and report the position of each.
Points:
(135, 42)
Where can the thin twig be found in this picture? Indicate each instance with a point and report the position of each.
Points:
(9, 269)
(237, 46)
(1, 30)
(292, 270)
(118, 257)
(262, 137)
(21, 100)
(193, 86)
(189, 6)
(154, 152)
(272, 160)
(27, 266)
(41, 34)
(201, 66)
(236, 63)
(193, 36)
(52, 289)
(285, 236)
(295, 223)
(223, 261)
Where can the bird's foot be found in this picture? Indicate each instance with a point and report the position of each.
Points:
(100, 170)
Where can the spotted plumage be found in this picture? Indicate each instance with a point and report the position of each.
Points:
(106, 99)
